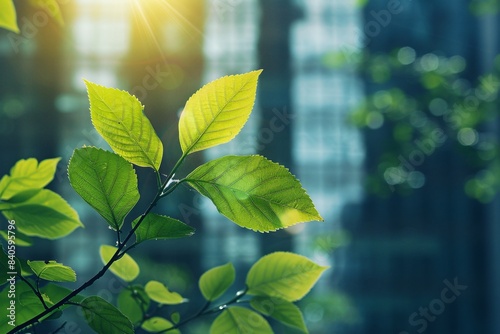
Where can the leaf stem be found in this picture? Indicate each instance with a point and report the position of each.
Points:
(118, 237)
(158, 178)
(35, 290)
(117, 255)
(172, 172)
(240, 294)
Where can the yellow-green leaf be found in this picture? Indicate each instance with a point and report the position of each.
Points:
(27, 174)
(240, 320)
(216, 281)
(160, 294)
(41, 213)
(106, 181)
(284, 311)
(217, 112)
(52, 271)
(254, 192)
(22, 240)
(126, 268)
(284, 275)
(8, 18)
(119, 119)
(158, 324)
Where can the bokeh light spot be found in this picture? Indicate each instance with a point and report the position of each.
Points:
(467, 136)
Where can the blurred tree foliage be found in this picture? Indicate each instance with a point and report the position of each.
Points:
(483, 7)
(436, 106)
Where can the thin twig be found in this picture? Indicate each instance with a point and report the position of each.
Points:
(35, 290)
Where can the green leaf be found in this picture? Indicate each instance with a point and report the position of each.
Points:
(41, 213)
(104, 318)
(176, 317)
(29, 298)
(157, 324)
(24, 311)
(106, 181)
(56, 293)
(254, 192)
(239, 320)
(281, 310)
(217, 112)
(21, 239)
(8, 19)
(161, 227)
(216, 281)
(27, 304)
(52, 8)
(27, 174)
(284, 275)
(126, 268)
(133, 302)
(52, 271)
(160, 294)
(119, 119)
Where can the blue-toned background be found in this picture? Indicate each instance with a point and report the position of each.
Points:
(350, 99)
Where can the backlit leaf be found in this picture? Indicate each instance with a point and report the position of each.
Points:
(41, 213)
(217, 112)
(161, 227)
(8, 18)
(216, 281)
(27, 174)
(52, 271)
(106, 181)
(104, 318)
(119, 119)
(254, 192)
(240, 320)
(284, 311)
(126, 268)
(284, 275)
(160, 294)
(157, 324)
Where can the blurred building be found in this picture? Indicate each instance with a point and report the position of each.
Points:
(407, 250)
(403, 251)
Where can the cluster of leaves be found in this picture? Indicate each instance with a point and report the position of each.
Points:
(274, 282)
(434, 104)
(252, 191)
